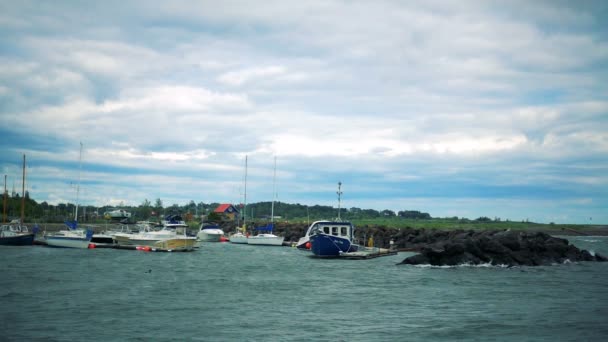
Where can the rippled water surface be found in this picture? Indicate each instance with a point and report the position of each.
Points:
(226, 292)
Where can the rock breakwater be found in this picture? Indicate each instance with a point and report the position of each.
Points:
(511, 248)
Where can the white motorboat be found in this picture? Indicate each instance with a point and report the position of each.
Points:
(210, 233)
(173, 228)
(117, 214)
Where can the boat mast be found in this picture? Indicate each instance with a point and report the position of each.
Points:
(245, 197)
(339, 192)
(274, 176)
(78, 185)
(23, 194)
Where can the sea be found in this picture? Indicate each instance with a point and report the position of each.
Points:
(230, 292)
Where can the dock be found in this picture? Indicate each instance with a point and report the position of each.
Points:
(368, 253)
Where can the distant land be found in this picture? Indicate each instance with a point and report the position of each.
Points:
(284, 212)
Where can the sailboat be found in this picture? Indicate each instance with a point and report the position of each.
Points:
(73, 237)
(241, 236)
(266, 237)
(17, 234)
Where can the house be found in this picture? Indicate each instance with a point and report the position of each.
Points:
(228, 212)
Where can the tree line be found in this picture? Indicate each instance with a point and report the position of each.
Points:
(147, 210)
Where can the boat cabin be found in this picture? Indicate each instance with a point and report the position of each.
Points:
(341, 229)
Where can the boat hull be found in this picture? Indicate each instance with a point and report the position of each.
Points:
(18, 240)
(102, 239)
(67, 242)
(209, 236)
(239, 238)
(329, 246)
(303, 243)
(266, 240)
(177, 244)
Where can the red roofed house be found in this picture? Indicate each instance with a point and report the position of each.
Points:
(228, 212)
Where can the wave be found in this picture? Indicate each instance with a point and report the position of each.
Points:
(489, 265)
(485, 265)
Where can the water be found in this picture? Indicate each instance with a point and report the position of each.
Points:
(227, 292)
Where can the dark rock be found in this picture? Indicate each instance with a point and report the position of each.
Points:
(418, 259)
(509, 248)
(599, 257)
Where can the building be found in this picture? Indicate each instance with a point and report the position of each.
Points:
(228, 212)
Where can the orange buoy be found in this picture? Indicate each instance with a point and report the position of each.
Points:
(307, 245)
(92, 245)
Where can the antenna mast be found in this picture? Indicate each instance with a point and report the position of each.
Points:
(339, 192)
(5, 193)
(23, 194)
(274, 176)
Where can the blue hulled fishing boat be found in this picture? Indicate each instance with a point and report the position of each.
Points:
(329, 239)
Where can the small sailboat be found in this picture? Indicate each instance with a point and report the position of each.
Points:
(241, 236)
(15, 233)
(267, 238)
(73, 237)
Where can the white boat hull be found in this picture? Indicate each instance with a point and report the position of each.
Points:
(67, 242)
(266, 240)
(238, 238)
(210, 236)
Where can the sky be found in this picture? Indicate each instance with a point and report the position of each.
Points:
(455, 108)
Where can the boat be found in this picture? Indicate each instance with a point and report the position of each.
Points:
(332, 238)
(324, 225)
(15, 233)
(209, 233)
(106, 237)
(173, 233)
(268, 238)
(73, 237)
(117, 214)
(241, 236)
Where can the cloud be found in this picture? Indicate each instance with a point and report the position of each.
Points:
(478, 103)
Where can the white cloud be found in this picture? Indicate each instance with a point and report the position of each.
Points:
(489, 93)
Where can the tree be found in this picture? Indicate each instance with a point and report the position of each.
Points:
(388, 213)
(414, 214)
(158, 206)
